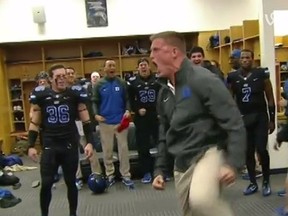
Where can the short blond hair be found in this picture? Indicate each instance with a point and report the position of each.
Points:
(172, 38)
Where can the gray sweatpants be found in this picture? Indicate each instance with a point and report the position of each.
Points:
(199, 189)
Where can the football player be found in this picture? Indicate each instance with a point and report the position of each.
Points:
(56, 109)
(143, 90)
(251, 87)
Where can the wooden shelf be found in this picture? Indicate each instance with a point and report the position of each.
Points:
(101, 57)
(236, 33)
(135, 56)
(250, 28)
(63, 59)
(253, 37)
(15, 111)
(16, 100)
(24, 62)
(19, 122)
(237, 41)
(226, 45)
(241, 36)
(281, 75)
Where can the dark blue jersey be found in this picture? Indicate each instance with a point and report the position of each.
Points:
(143, 93)
(59, 110)
(249, 91)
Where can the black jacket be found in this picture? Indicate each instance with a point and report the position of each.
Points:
(201, 114)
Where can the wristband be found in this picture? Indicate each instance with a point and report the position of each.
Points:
(32, 137)
(88, 132)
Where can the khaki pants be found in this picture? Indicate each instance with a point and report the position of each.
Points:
(94, 162)
(107, 133)
(198, 189)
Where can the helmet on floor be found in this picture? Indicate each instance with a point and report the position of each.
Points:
(97, 183)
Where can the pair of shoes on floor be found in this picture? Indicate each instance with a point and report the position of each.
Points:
(253, 188)
(147, 178)
(111, 180)
(125, 180)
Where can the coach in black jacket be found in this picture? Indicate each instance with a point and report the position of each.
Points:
(198, 115)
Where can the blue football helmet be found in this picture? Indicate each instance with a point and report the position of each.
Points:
(97, 183)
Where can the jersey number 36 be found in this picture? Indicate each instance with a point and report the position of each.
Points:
(58, 114)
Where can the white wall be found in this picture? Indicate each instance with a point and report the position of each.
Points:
(280, 22)
(67, 18)
(266, 24)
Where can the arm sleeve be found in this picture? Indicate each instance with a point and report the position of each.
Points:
(161, 159)
(222, 107)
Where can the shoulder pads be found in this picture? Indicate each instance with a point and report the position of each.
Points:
(40, 88)
(132, 78)
(76, 88)
(80, 93)
(38, 93)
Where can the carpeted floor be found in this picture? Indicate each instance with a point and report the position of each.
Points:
(143, 201)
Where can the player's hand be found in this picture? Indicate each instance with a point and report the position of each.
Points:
(32, 153)
(127, 114)
(88, 150)
(158, 183)
(142, 111)
(277, 146)
(227, 175)
(271, 127)
(99, 118)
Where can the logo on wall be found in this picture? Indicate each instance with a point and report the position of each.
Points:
(269, 18)
(96, 13)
